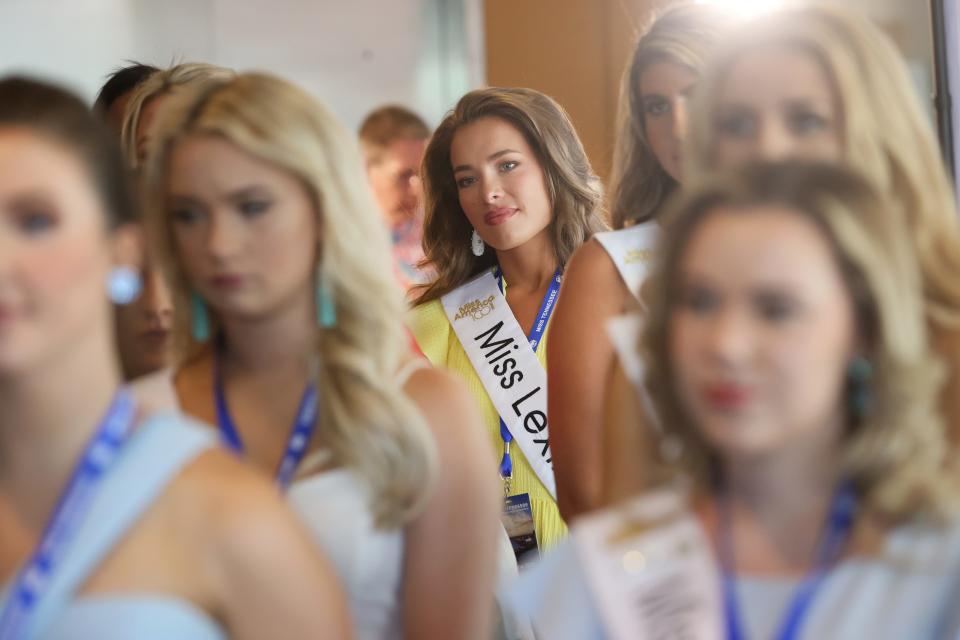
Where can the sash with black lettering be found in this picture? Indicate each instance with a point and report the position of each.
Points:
(506, 364)
(650, 569)
(631, 250)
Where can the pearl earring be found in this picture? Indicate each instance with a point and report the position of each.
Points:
(477, 244)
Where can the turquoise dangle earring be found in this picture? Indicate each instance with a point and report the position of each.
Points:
(860, 376)
(200, 319)
(326, 307)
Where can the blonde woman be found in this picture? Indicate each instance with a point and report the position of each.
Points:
(510, 195)
(116, 521)
(603, 278)
(287, 319)
(805, 402)
(819, 81)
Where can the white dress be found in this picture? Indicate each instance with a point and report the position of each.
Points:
(335, 506)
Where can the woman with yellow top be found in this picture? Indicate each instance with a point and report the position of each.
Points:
(509, 195)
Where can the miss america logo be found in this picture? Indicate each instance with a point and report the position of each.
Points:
(476, 309)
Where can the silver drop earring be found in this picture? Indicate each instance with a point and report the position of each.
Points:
(476, 244)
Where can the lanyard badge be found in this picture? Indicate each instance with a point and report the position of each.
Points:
(518, 511)
(534, 337)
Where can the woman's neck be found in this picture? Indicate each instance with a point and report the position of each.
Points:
(777, 504)
(49, 414)
(529, 267)
(274, 343)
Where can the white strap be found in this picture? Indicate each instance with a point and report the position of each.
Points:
(509, 369)
(409, 368)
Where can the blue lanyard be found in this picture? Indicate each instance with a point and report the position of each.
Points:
(536, 335)
(834, 537)
(300, 434)
(71, 510)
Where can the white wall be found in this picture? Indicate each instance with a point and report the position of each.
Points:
(353, 54)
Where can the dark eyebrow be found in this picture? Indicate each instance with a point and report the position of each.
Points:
(248, 192)
(180, 199)
(492, 156)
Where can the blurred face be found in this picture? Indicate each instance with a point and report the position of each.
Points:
(775, 103)
(664, 89)
(245, 231)
(395, 179)
(55, 254)
(501, 184)
(143, 327)
(760, 346)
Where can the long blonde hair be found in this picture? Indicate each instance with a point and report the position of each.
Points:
(574, 190)
(895, 454)
(886, 135)
(367, 421)
(685, 35)
(156, 85)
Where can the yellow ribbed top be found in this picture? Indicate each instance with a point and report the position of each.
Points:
(440, 344)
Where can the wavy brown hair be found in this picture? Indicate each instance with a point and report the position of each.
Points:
(685, 35)
(574, 190)
(896, 454)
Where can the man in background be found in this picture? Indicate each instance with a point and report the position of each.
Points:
(393, 140)
(111, 102)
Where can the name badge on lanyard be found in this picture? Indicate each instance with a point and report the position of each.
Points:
(506, 363)
(32, 584)
(301, 432)
(651, 570)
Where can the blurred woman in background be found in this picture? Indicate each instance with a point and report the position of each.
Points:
(805, 404)
(116, 522)
(290, 340)
(604, 276)
(823, 82)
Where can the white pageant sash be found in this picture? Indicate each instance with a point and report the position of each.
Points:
(651, 571)
(506, 365)
(631, 250)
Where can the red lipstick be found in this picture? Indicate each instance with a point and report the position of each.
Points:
(226, 281)
(499, 215)
(6, 313)
(727, 397)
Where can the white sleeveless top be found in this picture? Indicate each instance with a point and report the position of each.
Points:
(335, 506)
